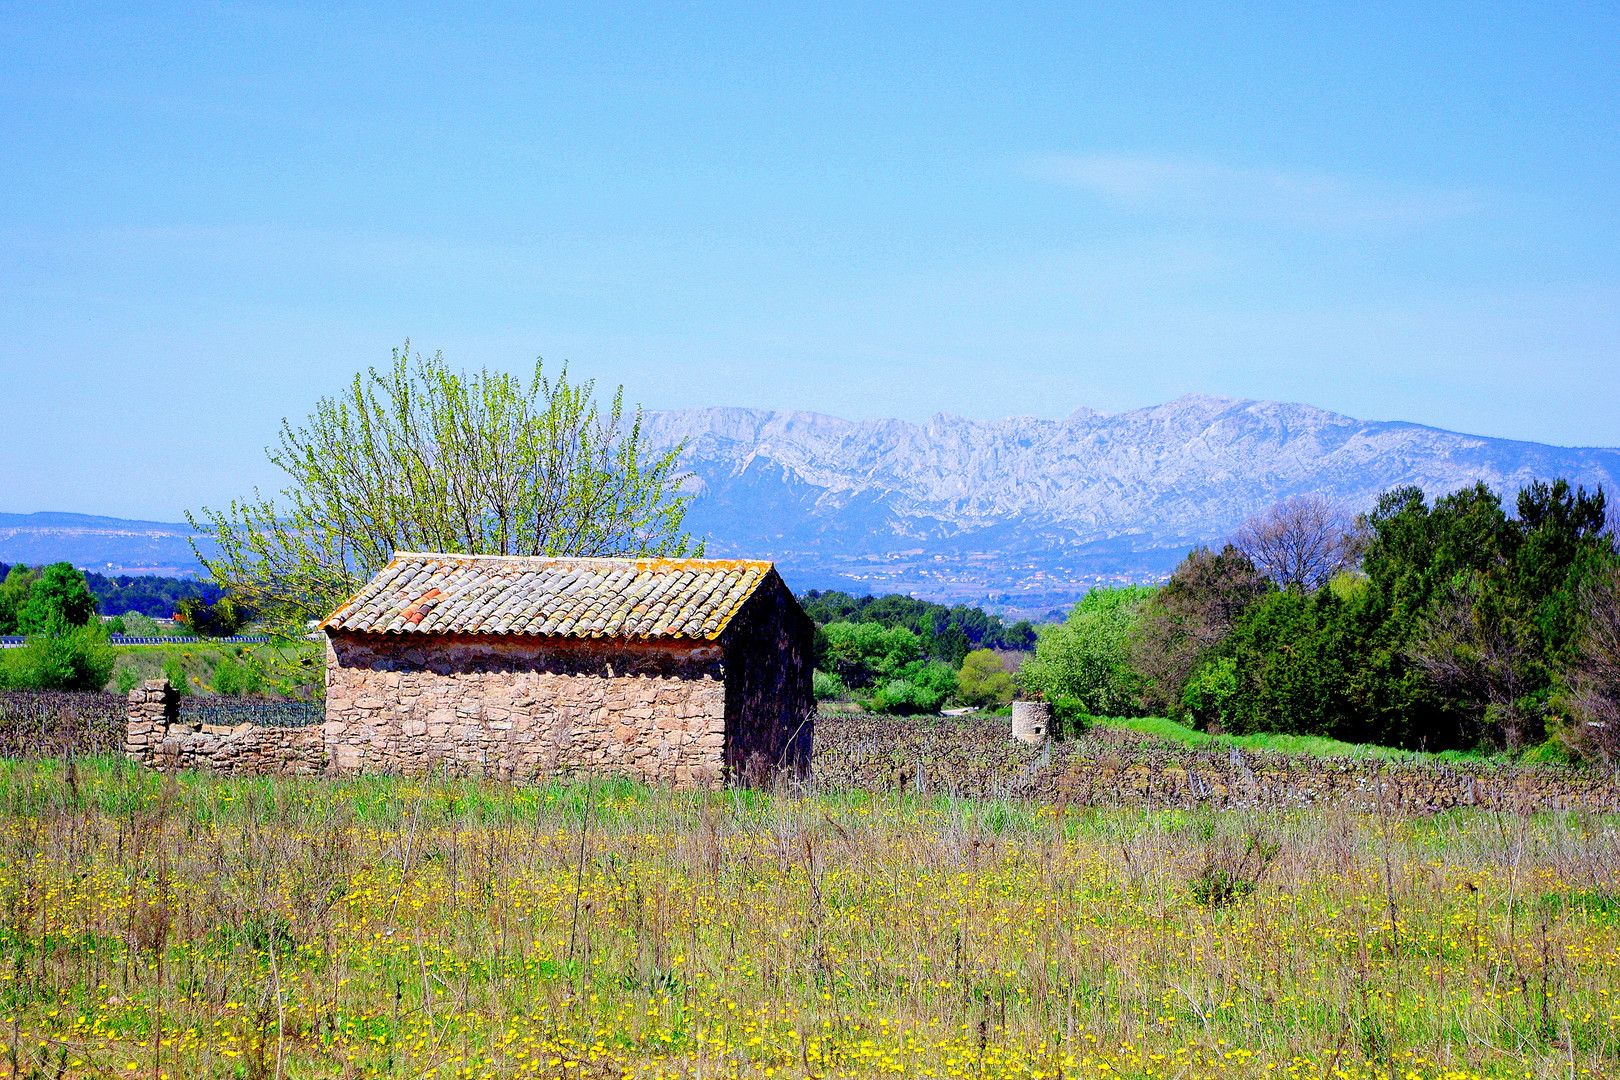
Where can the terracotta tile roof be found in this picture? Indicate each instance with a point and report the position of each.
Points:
(600, 598)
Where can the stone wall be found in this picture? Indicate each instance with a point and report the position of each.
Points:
(517, 709)
(157, 738)
(977, 758)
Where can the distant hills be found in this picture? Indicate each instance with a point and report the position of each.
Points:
(106, 545)
(1021, 514)
(1029, 513)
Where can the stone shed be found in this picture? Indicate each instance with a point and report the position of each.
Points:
(691, 672)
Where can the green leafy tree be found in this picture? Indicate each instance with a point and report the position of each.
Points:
(947, 633)
(58, 601)
(861, 654)
(922, 688)
(223, 618)
(13, 595)
(1209, 695)
(1088, 656)
(1186, 620)
(421, 458)
(984, 680)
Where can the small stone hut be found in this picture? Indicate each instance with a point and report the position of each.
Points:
(691, 672)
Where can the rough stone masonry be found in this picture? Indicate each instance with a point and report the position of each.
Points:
(686, 672)
(521, 710)
(156, 737)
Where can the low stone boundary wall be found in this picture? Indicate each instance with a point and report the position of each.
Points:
(159, 737)
(978, 758)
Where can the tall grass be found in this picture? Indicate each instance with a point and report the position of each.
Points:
(195, 926)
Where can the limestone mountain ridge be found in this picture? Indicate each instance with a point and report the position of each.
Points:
(959, 508)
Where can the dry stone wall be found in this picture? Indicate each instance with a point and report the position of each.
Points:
(978, 758)
(157, 737)
(517, 709)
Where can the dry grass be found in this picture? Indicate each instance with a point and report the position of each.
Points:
(199, 927)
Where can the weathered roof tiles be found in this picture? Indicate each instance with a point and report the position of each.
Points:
(496, 594)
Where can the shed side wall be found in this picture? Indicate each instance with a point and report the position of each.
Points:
(770, 697)
(522, 709)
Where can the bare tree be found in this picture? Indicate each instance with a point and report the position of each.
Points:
(1188, 617)
(1479, 657)
(1300, 542)
(1594, 682)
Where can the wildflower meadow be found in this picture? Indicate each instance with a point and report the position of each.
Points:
(195, 926)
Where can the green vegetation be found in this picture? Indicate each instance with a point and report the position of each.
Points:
(75, 659)
(1087, 657)
(222, 618)
(277, 668)
(984, 680)
(67, 648)
(1451, 627)
(195, 926)
(1304, 745)
(898, 654)
(947, 634)
(421, 458)
(885, 664)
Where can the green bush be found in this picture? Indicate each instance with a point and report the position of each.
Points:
(138, 625)
(175, 672)
(827, 687)
(923, 689)
(125, 679)
(1209, 694)
(80, 659)
(983, 681)
(1069, 716)
(237, 678)
(223, 618)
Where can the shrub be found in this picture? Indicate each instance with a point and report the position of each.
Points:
(923, 690)
(1069, 716)
(138, 625)
(223, 618)
(237, 678)
(1209, 694)
(80, 659)
(827, 687)
(1229, 874)
(125, 679)
(175, 672)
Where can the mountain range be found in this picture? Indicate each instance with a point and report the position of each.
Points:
(1021, 515)
(1026, 513)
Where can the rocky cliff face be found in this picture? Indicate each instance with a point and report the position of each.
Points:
(1037, 510)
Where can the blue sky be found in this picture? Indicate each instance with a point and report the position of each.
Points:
(210, 216)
